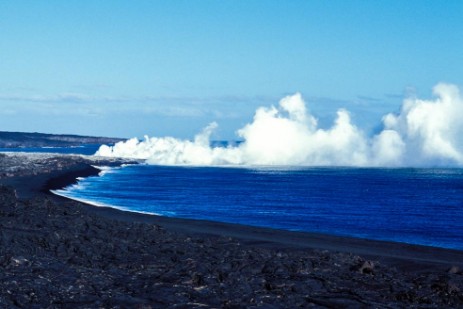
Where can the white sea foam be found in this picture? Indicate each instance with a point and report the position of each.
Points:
(79, 186)
(105, 169)
(67, 194)
(424, 133)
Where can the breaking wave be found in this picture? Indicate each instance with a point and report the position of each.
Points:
(423, 133)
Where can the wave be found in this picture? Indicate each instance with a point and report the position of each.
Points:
(69, 195)
(105, 169)
(424, 133)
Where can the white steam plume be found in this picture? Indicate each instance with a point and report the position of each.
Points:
(424, 133)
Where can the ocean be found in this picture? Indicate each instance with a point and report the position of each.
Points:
(78, 150)
(411, 205)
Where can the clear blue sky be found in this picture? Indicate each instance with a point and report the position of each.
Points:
(128, 68)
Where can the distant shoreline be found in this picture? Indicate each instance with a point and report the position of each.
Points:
(14, 140)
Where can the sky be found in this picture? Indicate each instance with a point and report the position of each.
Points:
(169, 68)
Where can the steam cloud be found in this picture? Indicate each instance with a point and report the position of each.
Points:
(424, 133)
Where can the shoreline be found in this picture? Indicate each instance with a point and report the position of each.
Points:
(108, 257)
(261, 234)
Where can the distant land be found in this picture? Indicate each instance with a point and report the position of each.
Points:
(26, 140)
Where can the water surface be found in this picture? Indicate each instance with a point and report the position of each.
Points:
(419, 206)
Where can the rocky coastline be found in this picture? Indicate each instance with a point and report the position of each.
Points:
(59, 253)
(23, 140)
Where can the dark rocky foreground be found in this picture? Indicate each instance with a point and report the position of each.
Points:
(57, 253)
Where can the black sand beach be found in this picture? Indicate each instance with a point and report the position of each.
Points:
(58, 253)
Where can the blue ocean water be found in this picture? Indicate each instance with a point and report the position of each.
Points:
(83, 150)
(418, 206)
